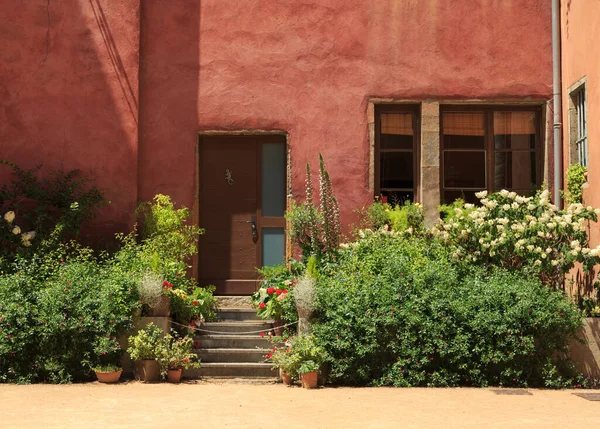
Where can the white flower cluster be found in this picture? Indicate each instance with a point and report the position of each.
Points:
(26, 237)
(514, 231)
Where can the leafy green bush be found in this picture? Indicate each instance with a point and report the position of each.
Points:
(55, 329)
(408, 217)
(62, 200)
(147, 344)
(400, 312)
(576, 178)
(296, 353)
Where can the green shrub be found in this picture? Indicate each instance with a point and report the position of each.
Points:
(400, 312)
(147, 344)
(408, 217)
(576, 178)
(55, 329)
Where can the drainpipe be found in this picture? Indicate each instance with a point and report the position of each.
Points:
(557, 101)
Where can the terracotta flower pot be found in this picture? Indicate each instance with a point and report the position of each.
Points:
(109, 377)
(309, 380)
(147, 371)
(174, 375)
(286, 378)
(278, 327)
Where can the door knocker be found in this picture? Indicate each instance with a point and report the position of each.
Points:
(228, 176)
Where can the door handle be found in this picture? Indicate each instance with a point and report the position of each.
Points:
(254, 230)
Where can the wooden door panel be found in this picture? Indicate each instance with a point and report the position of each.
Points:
(229, 198)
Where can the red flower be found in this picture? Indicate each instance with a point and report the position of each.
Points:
(262, 305)
(269, 355)
(285, 291)
(271, 290)
(165, 283)
(278, 292)
(262, 334)
(196, 344)
(195, 303)
(185, 360)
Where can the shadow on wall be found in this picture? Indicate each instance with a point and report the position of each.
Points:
(68, 96)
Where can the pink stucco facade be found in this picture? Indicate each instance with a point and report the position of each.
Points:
(122, 89)
(581, 65)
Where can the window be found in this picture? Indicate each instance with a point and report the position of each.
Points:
(489, 148)
(396, 152)
(580, 118)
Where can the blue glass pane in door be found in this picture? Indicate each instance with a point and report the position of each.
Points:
(273, 246)
(273, 179)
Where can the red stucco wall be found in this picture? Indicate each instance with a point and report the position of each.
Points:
(581, 58)
(69, 94)
(306, 68)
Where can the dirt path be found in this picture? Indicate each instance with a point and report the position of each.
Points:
(218, 405)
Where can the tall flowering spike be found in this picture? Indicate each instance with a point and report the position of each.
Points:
(309, 196)
(329, 209)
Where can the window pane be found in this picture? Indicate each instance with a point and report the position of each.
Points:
(464, 169)
(273, 246)
(273, 179)
(396, 170)
(396, 131)
(514, 130)
(514, 170)
(467, 196)
(464, 130)
(397, 198)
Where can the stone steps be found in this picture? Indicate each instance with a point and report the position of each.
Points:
(231, 355)
(232, 347)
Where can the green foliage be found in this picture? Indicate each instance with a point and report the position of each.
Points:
(451, 211)
(316, 230)
(198, 305)
(63, 200)
(167, 242)
(274, 298)
(400, 312)
(576, 178)
(176, 353)
(58, 320)
(408, 217)
(297, 353)
(147, 344)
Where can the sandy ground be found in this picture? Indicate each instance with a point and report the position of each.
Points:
(236, 405)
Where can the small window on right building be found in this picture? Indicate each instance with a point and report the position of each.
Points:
(578, 126)
(489, 148)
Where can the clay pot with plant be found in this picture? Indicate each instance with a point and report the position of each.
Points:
(177, 355)
(108, 366)
(145, 350)
(309, 374)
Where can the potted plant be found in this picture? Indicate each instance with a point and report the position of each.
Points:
(269, 303)
(309, 374)
(145, 350)
(286, 360)
(176, 356)
(108, 368)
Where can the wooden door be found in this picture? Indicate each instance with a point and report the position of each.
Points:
(233, 197)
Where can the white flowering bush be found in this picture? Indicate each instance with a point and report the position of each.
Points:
(525, 233)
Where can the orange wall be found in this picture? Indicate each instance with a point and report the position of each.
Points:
(580, 29)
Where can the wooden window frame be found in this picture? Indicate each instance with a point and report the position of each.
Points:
(489, 146)
(399, 108)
